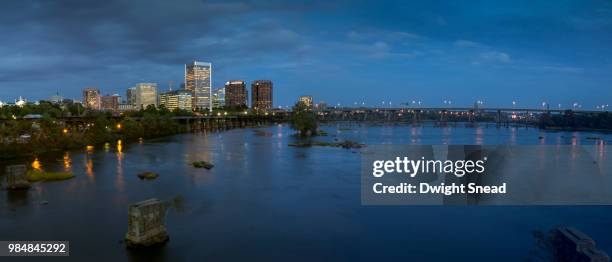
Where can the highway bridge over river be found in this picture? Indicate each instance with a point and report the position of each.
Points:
(442, 115)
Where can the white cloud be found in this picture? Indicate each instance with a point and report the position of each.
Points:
(466, 44)
(494, 56)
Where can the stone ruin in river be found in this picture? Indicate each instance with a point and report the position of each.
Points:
(16, 177)
(146, 224)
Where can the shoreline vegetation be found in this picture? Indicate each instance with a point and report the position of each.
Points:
(570, 121)
(23, 138)
(45, 134)
(34, 175)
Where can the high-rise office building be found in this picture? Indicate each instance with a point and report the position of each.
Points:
(236, 94)
(261, 95)
(307, 100)
(198, 80)
(219, 97)
(130, 96)
(146, 94)
(91, 98)
(178, 99)
(110, 103)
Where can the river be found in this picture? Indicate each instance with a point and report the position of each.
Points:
(264, 200)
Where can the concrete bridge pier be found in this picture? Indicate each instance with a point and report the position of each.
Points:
(146, 225)
(16, 177)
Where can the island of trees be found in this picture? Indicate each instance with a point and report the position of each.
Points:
(569, 120)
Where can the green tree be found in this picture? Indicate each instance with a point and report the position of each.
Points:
(303, 120)
(131, 129)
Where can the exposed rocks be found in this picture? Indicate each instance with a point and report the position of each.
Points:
(148, 175)
(202, 164)
(347, 144)
(350, 144)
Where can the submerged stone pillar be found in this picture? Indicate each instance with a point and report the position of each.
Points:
(570, 244)
(146, 224)
(16, 177)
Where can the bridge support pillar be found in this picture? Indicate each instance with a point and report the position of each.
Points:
(16, 177)
(146, 224)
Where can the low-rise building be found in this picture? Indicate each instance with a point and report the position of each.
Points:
(307, 100)
(219, 97)
(178, 99)
(110, 103)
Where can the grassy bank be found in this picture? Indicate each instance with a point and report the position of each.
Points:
(39, 175)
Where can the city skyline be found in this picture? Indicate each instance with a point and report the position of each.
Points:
(338, 52)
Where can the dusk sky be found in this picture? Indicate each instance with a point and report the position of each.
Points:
(339, 52)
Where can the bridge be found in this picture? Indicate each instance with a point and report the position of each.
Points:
(457, 109)
(442, 114)
(397, 114)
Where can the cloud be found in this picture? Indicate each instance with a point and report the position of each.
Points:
(466, 44)
(386, 35)
(494, 56)
(93, 35)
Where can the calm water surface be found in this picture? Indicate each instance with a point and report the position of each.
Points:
(264, 200)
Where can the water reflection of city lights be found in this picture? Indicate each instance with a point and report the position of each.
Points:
(67, 161)
(119, 146)
(89, 168)
(36, 164)
(106, 147)
(90, 148)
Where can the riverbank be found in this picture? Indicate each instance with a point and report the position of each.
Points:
(576, 129)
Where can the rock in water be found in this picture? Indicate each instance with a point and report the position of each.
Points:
(146, 225)
(16, 178)
(202, 164)
(148, 175)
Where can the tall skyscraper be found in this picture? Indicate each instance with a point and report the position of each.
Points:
(146, 94)
(91, 98)
(198, 80)
(219, 97)
(236, 94)
(178, 99)
(261, 95)
(110, 103)
(130, 96)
